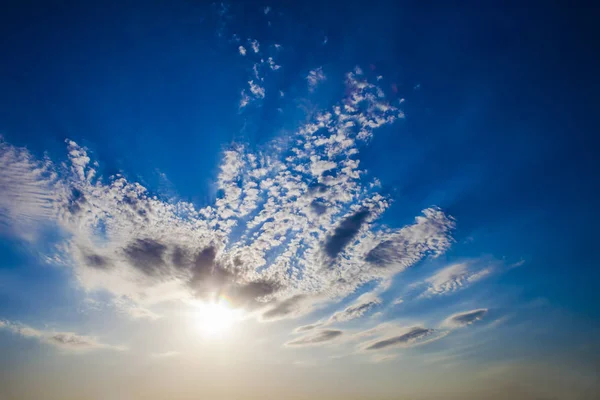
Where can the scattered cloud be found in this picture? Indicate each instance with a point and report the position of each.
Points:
(242, 50)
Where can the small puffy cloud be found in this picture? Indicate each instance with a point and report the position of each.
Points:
(315, 77)
(317, 338)
(244, 99)
(257, 90)
(64, 340)
(254, 44)
(242, 50)
(462, 319)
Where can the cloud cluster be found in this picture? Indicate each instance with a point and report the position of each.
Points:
(262, 64)
(293, 226)
(64, 340)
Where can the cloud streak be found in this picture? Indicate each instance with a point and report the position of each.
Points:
(63, 340)
(465, 318)
(318, 338)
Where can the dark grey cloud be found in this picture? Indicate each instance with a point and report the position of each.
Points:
(414, 334)
(76, 201)
(205, 270)
(318, 207)
(96, 261)
(71, 340)
(146, 255)
(382, 254)
(283, 308)
(343, 234)
(257, 289)
(180, 257)
(317, 187)
(323, 336)
(465, 318)
(210, 278)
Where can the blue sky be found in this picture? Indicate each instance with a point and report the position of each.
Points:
(395, 188)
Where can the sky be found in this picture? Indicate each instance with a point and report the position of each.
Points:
(333, 200)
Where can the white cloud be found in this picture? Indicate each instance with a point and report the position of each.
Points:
(257, 90)
(255, 45)
(455, 277)
(242, 50)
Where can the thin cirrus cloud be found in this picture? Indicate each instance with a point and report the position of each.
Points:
(63, 340)
(317, 338)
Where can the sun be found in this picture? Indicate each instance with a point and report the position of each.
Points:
(216, 317)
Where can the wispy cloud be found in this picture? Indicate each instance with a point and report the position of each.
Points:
(315, 77)
(455, 277)
(64, 340)
(317, 338)
(360, 307)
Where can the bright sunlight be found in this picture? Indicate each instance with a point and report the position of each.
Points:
(216, 317)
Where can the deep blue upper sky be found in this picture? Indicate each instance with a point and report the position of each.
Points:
(501, 132)
(501, 127)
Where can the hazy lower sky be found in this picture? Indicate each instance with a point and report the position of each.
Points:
(321, 200)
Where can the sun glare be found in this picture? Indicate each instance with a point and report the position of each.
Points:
(216, 317)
